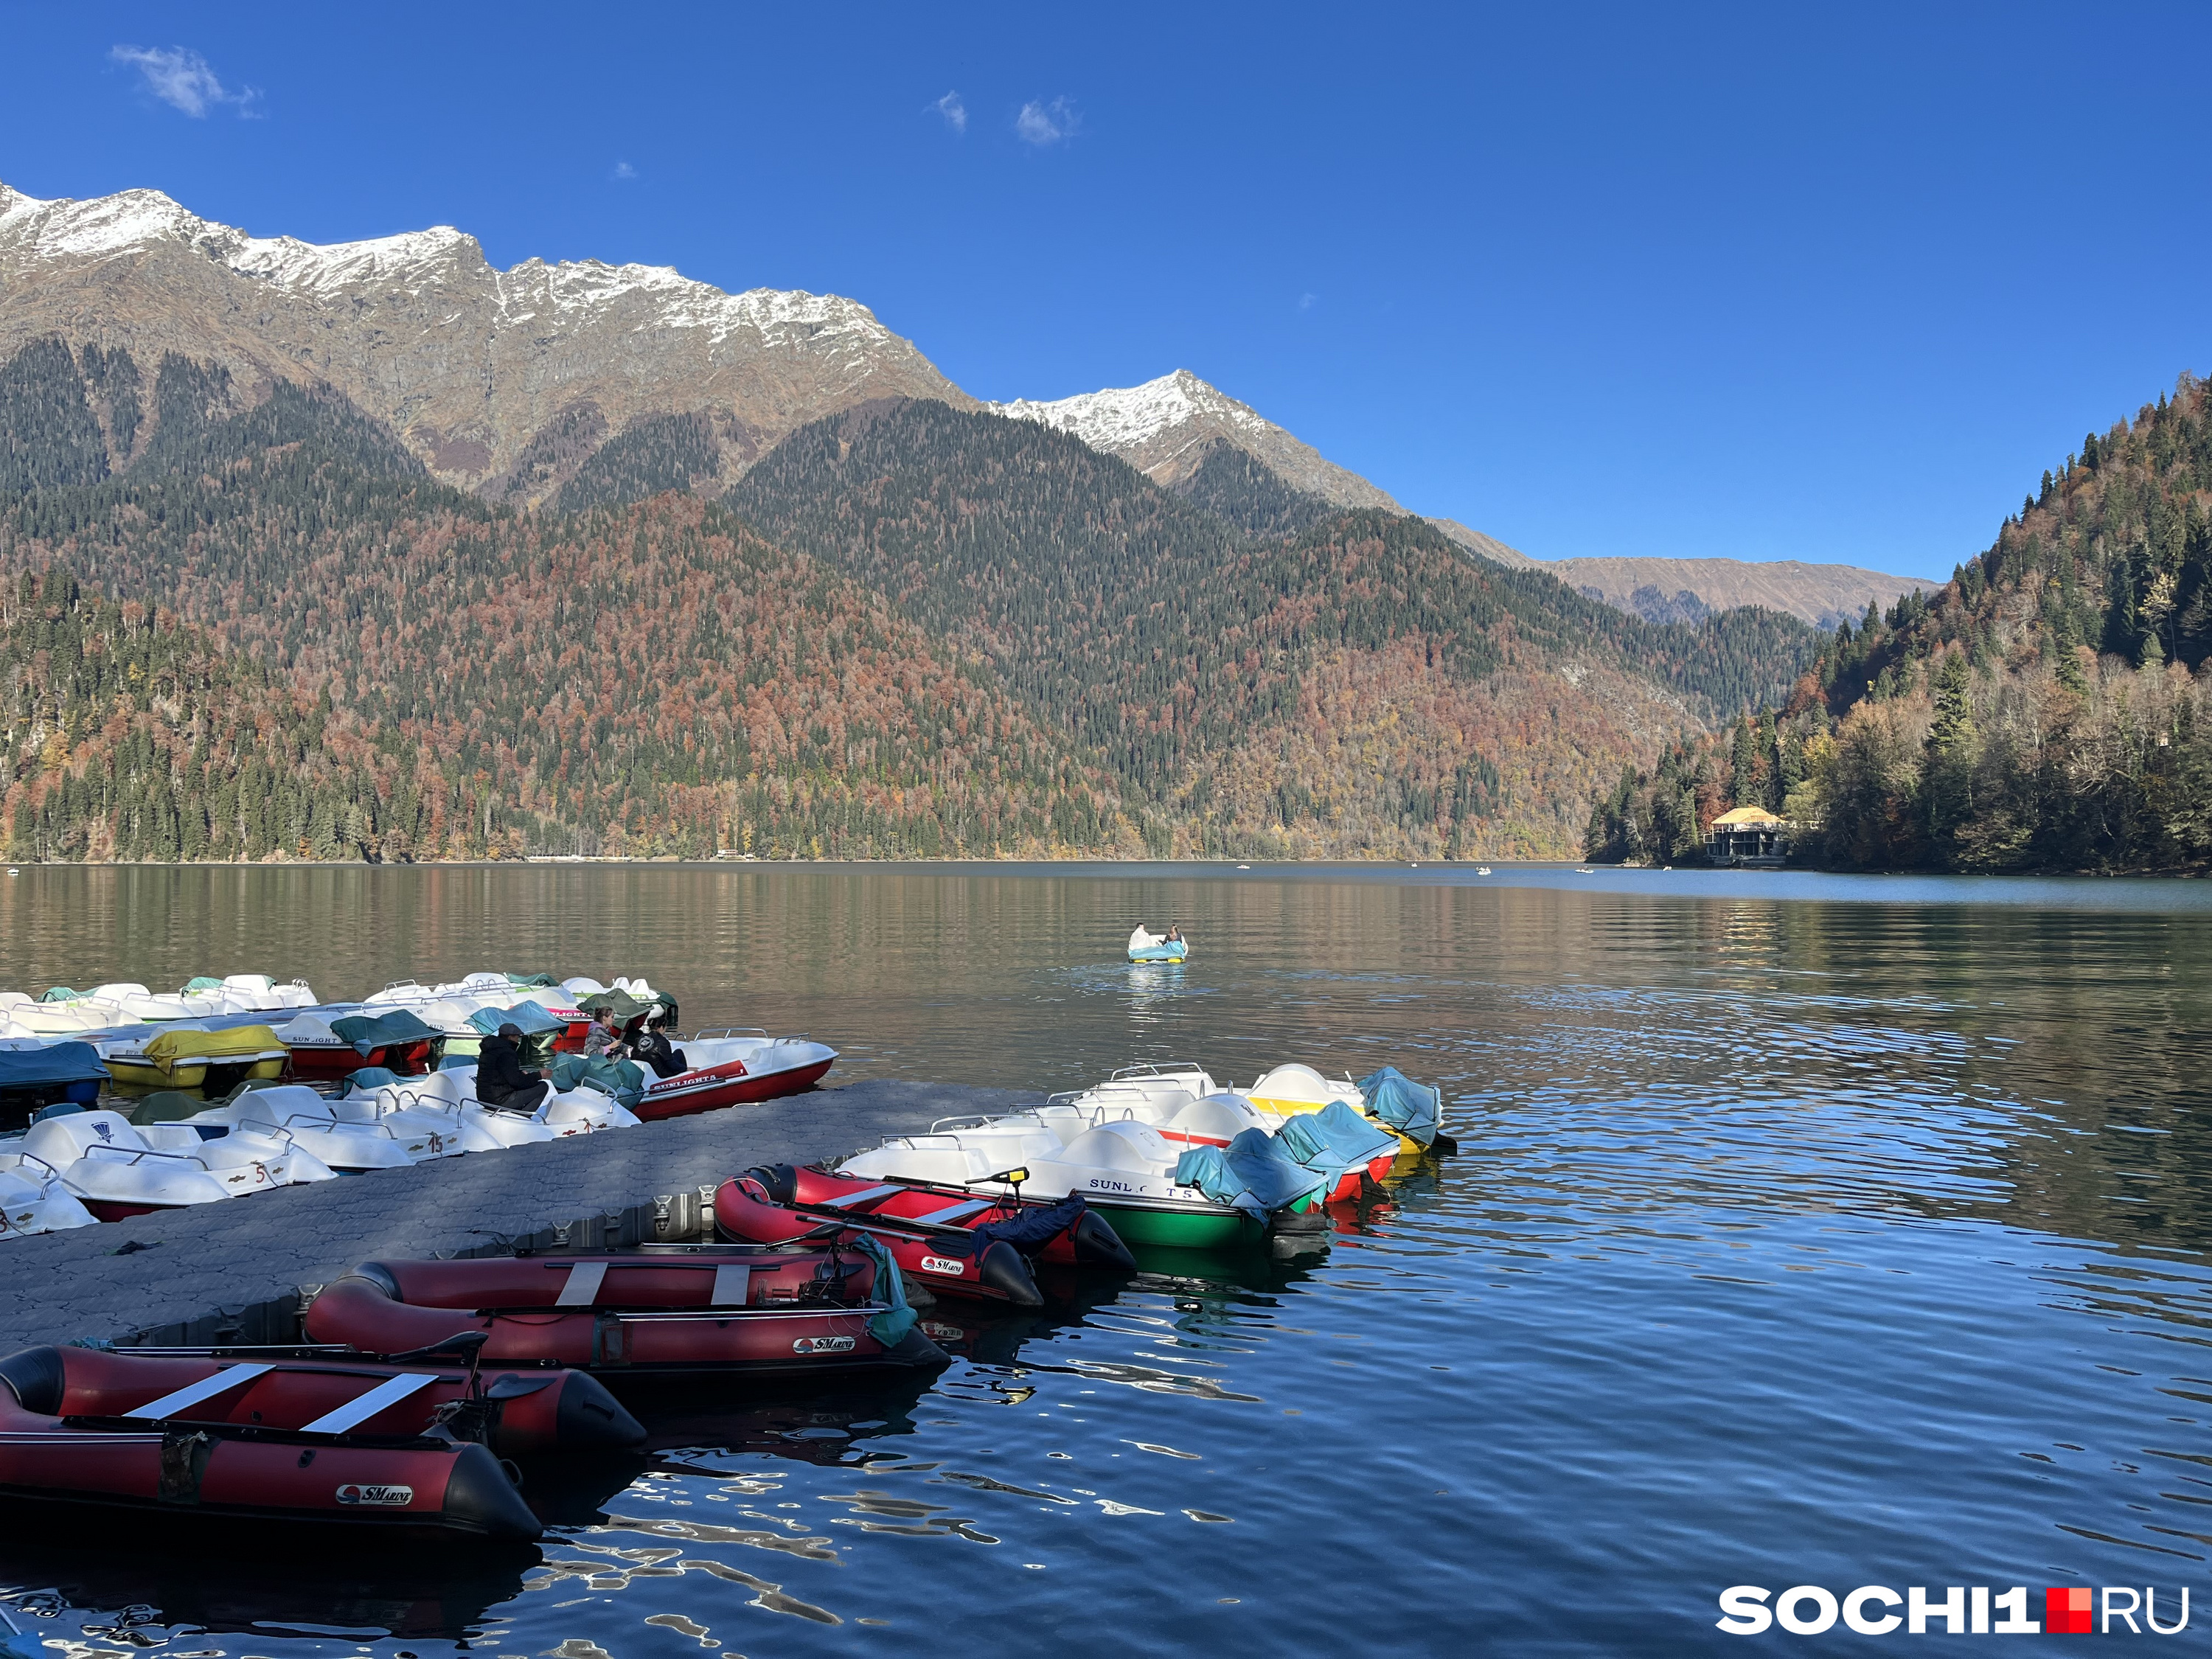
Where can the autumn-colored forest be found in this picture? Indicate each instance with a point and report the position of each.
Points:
(254, 630)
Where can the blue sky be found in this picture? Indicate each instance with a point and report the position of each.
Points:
(1761, 282)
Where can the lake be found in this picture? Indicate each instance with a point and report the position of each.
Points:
(1804, 1230)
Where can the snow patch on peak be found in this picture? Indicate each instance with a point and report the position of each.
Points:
(1122, 419)
(312, 267)
(64, 228)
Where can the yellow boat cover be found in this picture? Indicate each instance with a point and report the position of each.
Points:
(239, 1042)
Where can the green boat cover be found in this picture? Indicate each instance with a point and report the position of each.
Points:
(1413, 1109)
(532, 1020)
(1334, 1141)
(168, 1106)
(59, 994)
(368, 1079)
(532, 981)
(622, 1078)
(367, 1032)
(891, 1326)
(628, 1007)
(1252, 1174)
(200, 983)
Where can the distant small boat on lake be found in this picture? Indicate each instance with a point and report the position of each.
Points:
(1481, 869)
(1146, 945)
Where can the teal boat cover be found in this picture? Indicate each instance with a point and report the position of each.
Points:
(1413, 1109)
(57, 1064)
(59, 994)
(368, 1079)
(622, 1078)
(533, 981)
(532, 1020)
(627, 1007)
(371, 1031)
(1334, 1141)
(891, 1326)
(1252, 1174)
(199, 983)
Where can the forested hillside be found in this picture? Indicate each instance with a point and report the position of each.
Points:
(2049, 709)
(910, 631)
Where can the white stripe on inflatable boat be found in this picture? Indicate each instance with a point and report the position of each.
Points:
(861, 1197)
(960, 1211)
(193, 1392)
(390, 1392)
(731, 1279)
(581, 1288)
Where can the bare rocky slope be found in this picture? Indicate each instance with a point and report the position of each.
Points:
(1684, 590)
(467, 363)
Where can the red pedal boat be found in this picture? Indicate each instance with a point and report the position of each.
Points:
(286, 1435)
(653, 1311)
(730, 1067)
(1085, 1239)
(944, 1255)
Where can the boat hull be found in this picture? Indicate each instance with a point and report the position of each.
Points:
(343, 1060)
(1182, 1227)
(732, 1084)
(1092, 1242)
(1170, 953)
(944, 1259)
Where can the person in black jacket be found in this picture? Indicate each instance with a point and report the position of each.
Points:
(651, 1048)
(501, 1082)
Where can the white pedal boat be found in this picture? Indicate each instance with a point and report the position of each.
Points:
(34, 1201)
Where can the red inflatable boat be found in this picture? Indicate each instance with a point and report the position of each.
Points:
(664, 1310)
(1086, 1239)
(286, 1436)
(950, 1260)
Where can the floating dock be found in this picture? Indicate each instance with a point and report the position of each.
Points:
(241, 1270)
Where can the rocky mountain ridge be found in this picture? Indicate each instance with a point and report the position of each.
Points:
(467, 363)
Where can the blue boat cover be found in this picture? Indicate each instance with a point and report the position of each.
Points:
(891, 1326)
(369, 1078)
(1028, 1230)
(1413, 1109)
(532, 1020)
(1334, 1140)
(369, 1031)
(58, 1062)
(622, 1078)
(1252, 1174)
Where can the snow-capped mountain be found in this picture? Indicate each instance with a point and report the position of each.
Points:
(1166, 429)
(466, 361)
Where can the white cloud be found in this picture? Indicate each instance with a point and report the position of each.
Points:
(1041, 123)
(1306, 302)
(182, 79)
(954, 112)
(624, 172)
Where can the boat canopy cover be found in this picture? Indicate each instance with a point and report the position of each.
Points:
(891, 1326)
(59, 994)
(1028, 1230)
(628, 1007)
(368, 1079)
(1413, 1109)
(167, 1106)
(58, 1062)
(1252, 1173)
(239, 1040)
(200, 983)
(532, 981)
(533, 1020)
(369, 1031)
(622, 1078)
(1334, 1140)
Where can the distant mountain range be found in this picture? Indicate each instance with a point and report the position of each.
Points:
(579, 383)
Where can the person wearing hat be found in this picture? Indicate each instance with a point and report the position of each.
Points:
(501, 1082)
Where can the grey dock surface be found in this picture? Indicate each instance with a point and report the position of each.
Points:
(236, 1271)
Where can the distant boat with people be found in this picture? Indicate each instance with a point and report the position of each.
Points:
(1146, 945)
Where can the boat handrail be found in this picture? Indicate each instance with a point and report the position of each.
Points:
(708, 1033)
(132, 1155)
(1162, 1068)
(402, 985)
(965, 1120)
(341, 1125)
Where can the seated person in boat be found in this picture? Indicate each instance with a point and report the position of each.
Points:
(604, 1041)
(1175, 934)
(501, 1082)
(653, 1048)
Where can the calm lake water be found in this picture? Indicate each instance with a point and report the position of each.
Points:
(1804, 1230)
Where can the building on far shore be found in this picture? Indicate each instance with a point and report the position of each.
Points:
(1749, 835)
